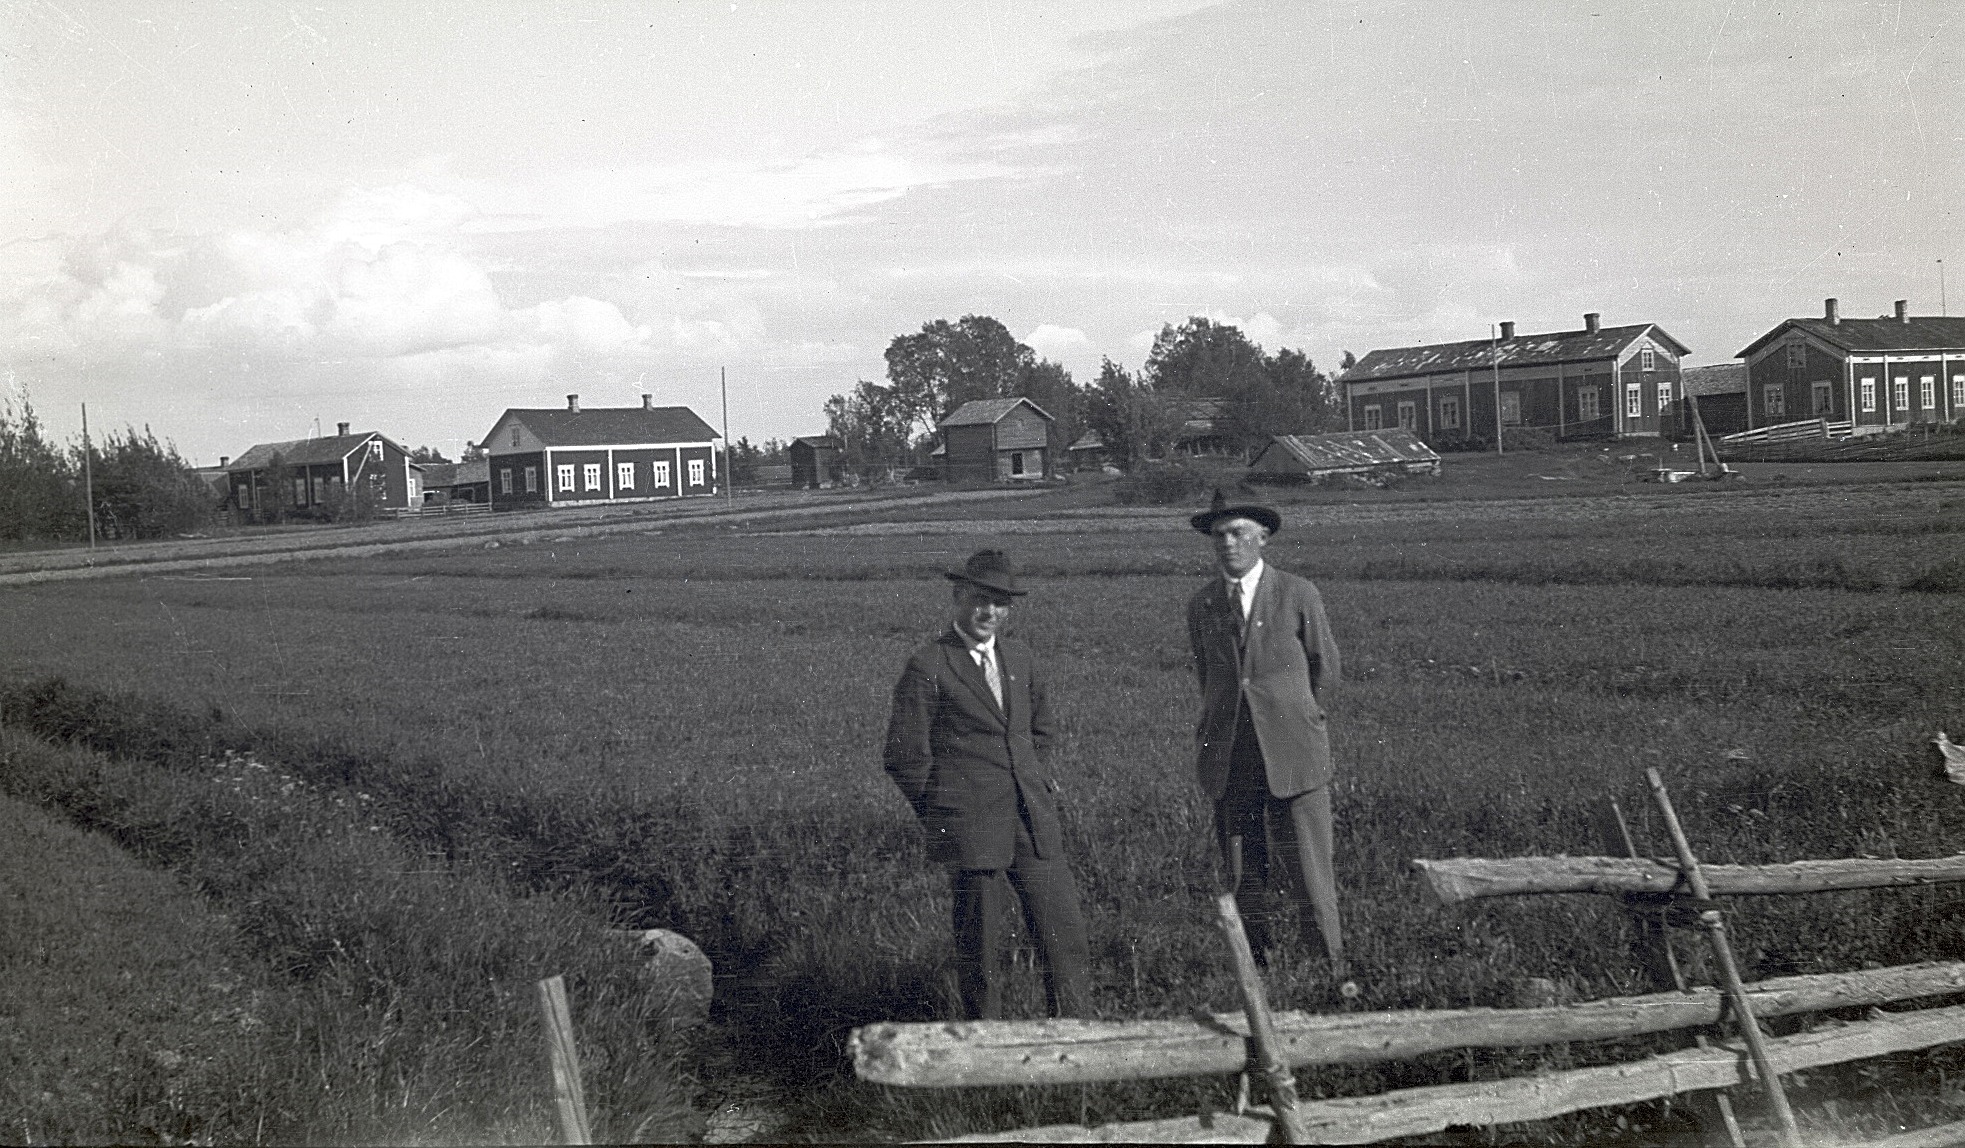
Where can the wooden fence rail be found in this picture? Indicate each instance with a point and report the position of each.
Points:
(1458, 879)
(1083, 1051)
(1419, 1111)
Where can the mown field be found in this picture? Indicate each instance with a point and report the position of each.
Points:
(477, 760)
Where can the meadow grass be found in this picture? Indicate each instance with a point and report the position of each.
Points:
(682, 729)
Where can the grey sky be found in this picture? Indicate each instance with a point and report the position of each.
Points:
(228, 220)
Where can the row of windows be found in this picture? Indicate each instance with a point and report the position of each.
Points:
(624, 476)
(1589, 406)
(1927, 392)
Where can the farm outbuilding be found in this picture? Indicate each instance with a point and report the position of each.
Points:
(314, 476)
(1596, 383)
(997, 440)
(816, 461)
(1316, 458)
(564, 457)
(1721, 392)
(1870, 373)
(445, 482)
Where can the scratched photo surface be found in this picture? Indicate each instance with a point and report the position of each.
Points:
(471, 478)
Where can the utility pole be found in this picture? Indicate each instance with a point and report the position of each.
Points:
(729, 491)
(1943, 309)
(89, 479)
(1494, 334)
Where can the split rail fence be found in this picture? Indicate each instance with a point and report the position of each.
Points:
(963, 1054)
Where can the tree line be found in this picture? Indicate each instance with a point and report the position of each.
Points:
(1138, 415)
(142, 488)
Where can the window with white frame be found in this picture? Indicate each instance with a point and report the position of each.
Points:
(1589, 404)
(1957, 391)
(1450, 412)
(1408, 416)
(590, 472)
(1633, 401)
(1647, 360)
(504, 480)
(1797, 356)
(1868, 388)
(1374, 416)
(1900, 392)
(1774, 398)
(415, 491)
(1823, 394)
(1665, 395)
(1016, 464)
(696, 472)
(1511, 408)
(375, 448)
(245, 496)
(624, 475)
(515, 435)
(564, 474)
(532, 480)
(1927, 392)
(661, 474)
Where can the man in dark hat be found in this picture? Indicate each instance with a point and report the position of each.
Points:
(1265, 658)
(966, 745)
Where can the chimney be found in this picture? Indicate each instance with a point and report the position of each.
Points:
(1508, 329)
(1903, 310)
(342, 428)
(647, 402)
(1592, 322)
(1832, 312)
(223, 459)
(573, 403)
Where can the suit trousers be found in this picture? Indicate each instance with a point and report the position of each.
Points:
(1051, 910)
(1264, 837)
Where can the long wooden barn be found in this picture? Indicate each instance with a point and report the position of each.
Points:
(1317, 458)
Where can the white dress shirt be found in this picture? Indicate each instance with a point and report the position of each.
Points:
(1244, 587)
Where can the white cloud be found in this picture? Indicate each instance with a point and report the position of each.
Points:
(1054, 342)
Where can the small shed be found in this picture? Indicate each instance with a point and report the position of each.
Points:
(1317, 458)
(816, 461)
(445, 482)
(997, 440)
(1088, 453)
(1721, 392)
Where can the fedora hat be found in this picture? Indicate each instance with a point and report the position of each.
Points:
(992, 570)
(1219, 509)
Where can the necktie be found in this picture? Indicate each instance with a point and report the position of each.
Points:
(994, 675)
(1235, 607)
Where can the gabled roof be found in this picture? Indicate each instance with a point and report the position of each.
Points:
(819, 441)
(1918, 333)
(1718, 379)
(982, 412)
(1520, 351)
(1090, 440)
(605, 426)
(303, 452)
(1349, 451)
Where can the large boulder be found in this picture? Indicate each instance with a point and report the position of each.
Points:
(677, 972)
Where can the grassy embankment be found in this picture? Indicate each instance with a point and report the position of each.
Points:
(683, 730)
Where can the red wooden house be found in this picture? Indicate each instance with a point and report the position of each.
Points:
(319, 476)
(1871, 373)
(572, 457)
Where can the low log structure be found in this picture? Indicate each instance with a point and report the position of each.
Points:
(1419, 1111)
(947, 1055)
(1458, 879)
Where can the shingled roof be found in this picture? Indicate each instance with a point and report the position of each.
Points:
(1520, 351)
(301, 452)
(1913, 333)
(1356, 450)
(607, 426)
(1718, 379)
(982, 412)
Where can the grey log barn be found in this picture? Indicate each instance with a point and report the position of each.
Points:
(316, 476)
(1872, 373)
(1369, 455)
(816, 461)
(570, 457)
(1599, 382)
(1721, 392)
(997, 440)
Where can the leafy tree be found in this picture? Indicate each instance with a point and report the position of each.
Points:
(1264, 395)
(1049, 385)
(1300, 399)
(40, 490)
(871, 428)
(473, 452)
(143, 489)
(947, 364)
(427, 454)
(1135, 422)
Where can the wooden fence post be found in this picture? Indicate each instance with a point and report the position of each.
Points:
(1262, 1032)
(572, 1102)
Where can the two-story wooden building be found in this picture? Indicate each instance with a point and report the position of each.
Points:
(1599, 382)
(572, 457)
(317, 477)
(1871, 373)
(991, 440)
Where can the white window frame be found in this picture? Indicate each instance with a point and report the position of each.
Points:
(1374, 416)
(1822, 396)
(1664, 395)
(1927, 392)
(375, 448)
(1633, 401)
(1797, 356)
(504, 480)
(1774, 400)
(1016, 464)
(1408, 415)
(1900, 392)
(1647, 359)
(1511, 408)
(532, 480)
(697, 472)
(590, 476)
(1957, 391)
(515, 434)
(624, 476)
(1589, 404)
(1868, 388)
(564, 473)
(661, 469)
(1449, 412)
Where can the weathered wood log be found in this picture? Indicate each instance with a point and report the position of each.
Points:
(955, 1054)
(1457, 879)
(1418, 1111)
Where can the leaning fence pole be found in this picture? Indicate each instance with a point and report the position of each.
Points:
(1715, 926)
(1262, 1031)
(572, 1102)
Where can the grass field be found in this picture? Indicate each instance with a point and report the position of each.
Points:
(682, 729)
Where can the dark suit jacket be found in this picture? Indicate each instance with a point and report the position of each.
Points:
(962, 762)
(1288, 662)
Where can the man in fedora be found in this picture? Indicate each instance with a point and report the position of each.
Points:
(966, 745)
(1265, 658)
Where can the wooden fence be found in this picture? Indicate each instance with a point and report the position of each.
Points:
(1783, 432)
(945, 1055)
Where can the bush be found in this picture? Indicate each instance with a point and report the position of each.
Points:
(1163, 485)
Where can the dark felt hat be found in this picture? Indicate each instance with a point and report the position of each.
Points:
(1219, 509)
(992, 570)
